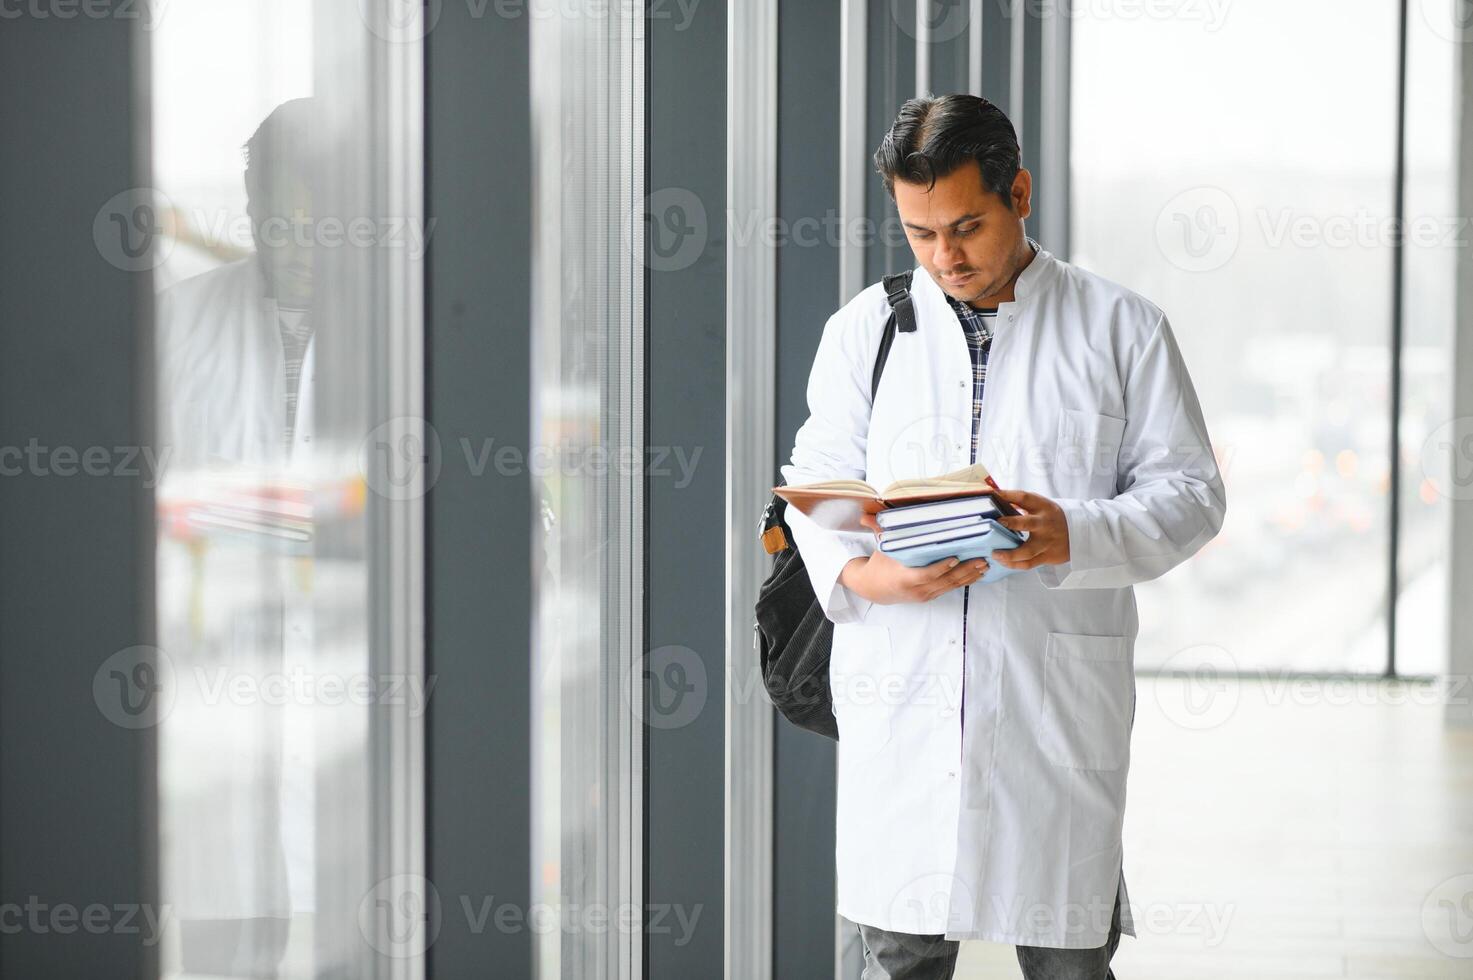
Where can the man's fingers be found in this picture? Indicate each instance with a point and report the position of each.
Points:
(1030, 502)
(1030, 522)
(968, 570)
(943, 576)
(1013, 556)
(954, 581)
(937, 570)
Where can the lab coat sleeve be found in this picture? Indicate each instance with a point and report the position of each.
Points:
(1171, 499)
(830, 445)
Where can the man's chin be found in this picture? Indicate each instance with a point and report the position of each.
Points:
(968, 292)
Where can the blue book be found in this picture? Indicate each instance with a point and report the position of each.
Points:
(923, 550)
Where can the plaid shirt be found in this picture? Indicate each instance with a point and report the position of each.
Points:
(977, 326)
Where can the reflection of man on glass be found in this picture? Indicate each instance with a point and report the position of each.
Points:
(235, 354)
(235, 343)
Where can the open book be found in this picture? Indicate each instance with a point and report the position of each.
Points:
(839, 504)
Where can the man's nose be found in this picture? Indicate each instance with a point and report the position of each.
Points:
(947, 253)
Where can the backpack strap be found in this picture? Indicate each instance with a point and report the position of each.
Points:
(897, 294)
(902, 319)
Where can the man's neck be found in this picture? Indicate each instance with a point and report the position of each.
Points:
(1007, 294)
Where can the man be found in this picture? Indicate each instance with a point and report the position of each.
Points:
(985, 731)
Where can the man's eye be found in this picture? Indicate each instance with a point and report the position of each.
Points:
(964, 232)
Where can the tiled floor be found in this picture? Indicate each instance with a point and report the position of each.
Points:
(1288, 829)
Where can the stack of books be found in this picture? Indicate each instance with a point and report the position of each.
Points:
(967, 527)
(921, 520)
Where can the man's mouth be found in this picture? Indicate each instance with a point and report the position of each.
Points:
(957, 280)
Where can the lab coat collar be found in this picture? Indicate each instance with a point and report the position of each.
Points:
(1038, 275)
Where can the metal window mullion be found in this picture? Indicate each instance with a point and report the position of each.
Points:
(853, 77)
(751, 309)
(923, 48)
(396, 528)
(974, 47)
(1398, 281)
(1017, 42)
(1053, 133)
(630, 250)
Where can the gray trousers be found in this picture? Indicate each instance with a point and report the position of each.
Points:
(903, 956)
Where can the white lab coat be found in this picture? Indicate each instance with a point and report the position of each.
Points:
(238, 794)
(1007, 828)
(222, 384)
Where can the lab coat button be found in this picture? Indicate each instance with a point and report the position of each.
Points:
(950, 774)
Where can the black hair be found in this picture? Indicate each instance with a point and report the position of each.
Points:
(288, 141)
(934, 135)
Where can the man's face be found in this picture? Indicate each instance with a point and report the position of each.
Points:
(969, 239)
(282, 226)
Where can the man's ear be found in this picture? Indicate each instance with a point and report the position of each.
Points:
(1023, 193)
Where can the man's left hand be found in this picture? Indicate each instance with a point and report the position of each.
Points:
(1048, 532)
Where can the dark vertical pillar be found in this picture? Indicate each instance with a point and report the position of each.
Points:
(807, 293)
(78, 827)
(997, 53)
(949, 35)
(479, 528)
(685, 390)
(890, 81)
(1030, 120)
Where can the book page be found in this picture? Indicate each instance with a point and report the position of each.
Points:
(831, 487)
(975, 475)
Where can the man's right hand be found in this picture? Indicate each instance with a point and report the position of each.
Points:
(883, 580)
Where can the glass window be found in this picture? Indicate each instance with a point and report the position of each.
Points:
(285, 256)
(587, 439)
(1258, 215)
(1435, 233)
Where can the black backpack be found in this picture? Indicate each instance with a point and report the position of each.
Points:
(793, 636)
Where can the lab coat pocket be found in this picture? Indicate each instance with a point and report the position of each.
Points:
(1088, 700)
(1088, 452)
(864, 686)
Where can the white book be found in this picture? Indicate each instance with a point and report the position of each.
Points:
(911, 530)
(940, 510)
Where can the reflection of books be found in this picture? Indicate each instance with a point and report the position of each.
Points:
(200, 506)
(839, 504)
